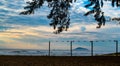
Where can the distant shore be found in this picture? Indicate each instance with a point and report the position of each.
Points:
(111, 54)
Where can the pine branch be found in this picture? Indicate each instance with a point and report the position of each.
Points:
(32, 6)
(59, 15)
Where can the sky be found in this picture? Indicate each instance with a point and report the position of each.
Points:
(33, 31)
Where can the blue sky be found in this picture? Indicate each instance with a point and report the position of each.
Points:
(33, 31)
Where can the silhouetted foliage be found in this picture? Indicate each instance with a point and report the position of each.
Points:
(116, 19)
(96, 10)
(32, 6)
(60, 11)
(59, 15)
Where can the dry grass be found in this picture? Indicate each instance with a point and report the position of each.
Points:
(59, 61)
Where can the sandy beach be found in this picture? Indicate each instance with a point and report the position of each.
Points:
(59, 61)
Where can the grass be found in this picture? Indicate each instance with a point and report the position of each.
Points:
(59, 61)
(100, 60)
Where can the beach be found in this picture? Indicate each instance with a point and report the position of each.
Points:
(59, 61)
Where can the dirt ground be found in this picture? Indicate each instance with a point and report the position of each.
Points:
(59, 61)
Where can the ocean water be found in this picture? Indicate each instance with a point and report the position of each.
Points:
(25, 52)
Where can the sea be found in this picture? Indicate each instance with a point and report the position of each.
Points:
(30, 52)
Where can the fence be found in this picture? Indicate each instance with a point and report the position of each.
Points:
(91, 45)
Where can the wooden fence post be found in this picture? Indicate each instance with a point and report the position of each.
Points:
(116, 41)
(49, 48)
(91, 48)
(71, 47)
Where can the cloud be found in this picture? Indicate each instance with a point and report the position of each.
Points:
(21, 45)
(111, 11)
(33, 31)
